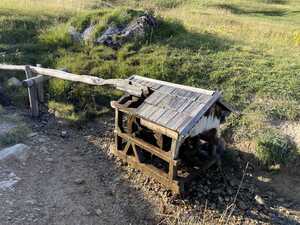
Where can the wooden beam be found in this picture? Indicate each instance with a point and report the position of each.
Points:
(150, 170)
(128, 86)
(32, 93)
(34, 80)
(146, 146)
(40, 88)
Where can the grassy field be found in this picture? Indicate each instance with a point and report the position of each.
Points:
(247, 49)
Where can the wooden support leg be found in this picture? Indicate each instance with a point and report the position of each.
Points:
(32, 93)
(40, 89)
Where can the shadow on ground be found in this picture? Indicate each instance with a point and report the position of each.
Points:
(250, 11)
(174, 34)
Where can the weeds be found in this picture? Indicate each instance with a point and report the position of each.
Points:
(273, 148)
(14, 136)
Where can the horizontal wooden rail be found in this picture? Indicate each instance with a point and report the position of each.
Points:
(146, 146)
(130, 87)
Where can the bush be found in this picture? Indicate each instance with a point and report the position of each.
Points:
(273, 148)
(14, 136)
(57, 36)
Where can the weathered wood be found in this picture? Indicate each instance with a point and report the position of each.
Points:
(34, 81)
(164, 83)
(128, 86)
(146, 146)
(184, 130)
(159, 128)
(32, 93)
(40, 88)
(150, 170)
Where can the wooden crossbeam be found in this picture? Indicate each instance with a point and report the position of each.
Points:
(127, 86)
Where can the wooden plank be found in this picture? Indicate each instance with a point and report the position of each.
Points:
(203, 99)
(166, 117)
(193, 95)
(155, 86)
(157, 114)
(183, 107)
(166, 89)
(146, 110)
(150, 170)
(146, 146)
(130, 87)
(34, 81)
(180, 92)
(32, 94)
(158, 128)
(194, 108)
(155, 98)
(184, 130)
(199, 90)
(178, 120)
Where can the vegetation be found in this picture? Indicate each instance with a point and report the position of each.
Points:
(247, 49)
(273, 148)
(15, 134)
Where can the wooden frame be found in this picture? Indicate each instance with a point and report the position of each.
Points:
(124, 140)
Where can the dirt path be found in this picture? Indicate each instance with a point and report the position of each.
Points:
(67, 180)
(69, 177)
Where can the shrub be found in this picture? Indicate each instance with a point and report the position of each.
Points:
(57, 36)
(278, 109)
(273, 148)
(15, 135)
(65, 111)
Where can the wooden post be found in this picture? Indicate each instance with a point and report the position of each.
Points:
(40, 89)
(32, 93)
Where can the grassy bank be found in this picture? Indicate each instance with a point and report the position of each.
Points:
(247, 49)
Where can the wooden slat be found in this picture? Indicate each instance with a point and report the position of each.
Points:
(180, 92)
(144, 109)
(157, 114)
(184, 130)
(158, 128)
(166, 89)
(155, 86)
(146, 146)
(184, 105)
(155, 98)
(166, 117)
(203, 99)
(152, 171)
(199, 90)
(178, 120)
(130, 87)
(194, 108)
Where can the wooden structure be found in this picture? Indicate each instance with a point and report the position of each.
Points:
(151, 133)
(160, 127)
(36, 75)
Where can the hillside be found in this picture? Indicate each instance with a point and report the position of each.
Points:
(249, 50)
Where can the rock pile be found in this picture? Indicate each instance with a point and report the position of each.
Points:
(116, 36)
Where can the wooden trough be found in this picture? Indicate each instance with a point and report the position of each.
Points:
(168, 131)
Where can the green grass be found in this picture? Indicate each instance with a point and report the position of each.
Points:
(247, 49)
(272, 148)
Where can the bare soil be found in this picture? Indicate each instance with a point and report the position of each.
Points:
(70, 177)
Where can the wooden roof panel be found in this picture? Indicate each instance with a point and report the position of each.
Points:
(174, 106)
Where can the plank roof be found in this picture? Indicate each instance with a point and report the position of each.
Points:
(177, 107)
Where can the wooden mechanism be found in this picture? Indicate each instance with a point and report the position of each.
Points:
(168, 131)
(171, 134)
